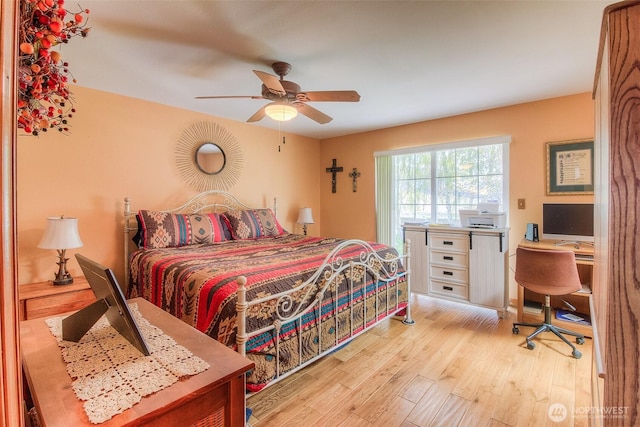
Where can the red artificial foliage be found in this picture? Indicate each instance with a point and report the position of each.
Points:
(44, 100)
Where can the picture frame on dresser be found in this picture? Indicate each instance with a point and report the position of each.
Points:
(569, 167)
(110, 302)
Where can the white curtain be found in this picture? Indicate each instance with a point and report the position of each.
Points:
(384, 202)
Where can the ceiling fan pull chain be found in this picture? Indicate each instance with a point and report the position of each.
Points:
(280, 133)
(283, 134)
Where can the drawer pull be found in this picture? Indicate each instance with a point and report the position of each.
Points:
(447, 288)
(448, 258)
(448, 273)
(447, 242)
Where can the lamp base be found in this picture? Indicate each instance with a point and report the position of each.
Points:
(63, 281)
(62, 276)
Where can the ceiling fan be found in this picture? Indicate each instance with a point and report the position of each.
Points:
(287, 98)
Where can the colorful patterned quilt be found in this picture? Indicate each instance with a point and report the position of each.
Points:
(197, 284)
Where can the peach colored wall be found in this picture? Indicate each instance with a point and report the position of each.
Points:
(125, 147)
(531, 126)
(120, 147)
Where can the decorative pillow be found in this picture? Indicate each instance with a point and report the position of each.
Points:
(253, 224)
(164, 230)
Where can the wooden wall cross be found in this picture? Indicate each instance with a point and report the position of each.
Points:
(333, 169)
(354, 176)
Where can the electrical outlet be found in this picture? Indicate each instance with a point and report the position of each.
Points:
(520, 203)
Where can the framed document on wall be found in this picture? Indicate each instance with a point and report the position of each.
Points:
(570, 167)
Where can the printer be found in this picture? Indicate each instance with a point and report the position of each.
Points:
(485, 216)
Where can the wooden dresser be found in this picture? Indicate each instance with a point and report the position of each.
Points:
(215, 397)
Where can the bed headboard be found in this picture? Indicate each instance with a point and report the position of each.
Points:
(217, 201)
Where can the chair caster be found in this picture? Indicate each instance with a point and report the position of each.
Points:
(515, 330)
(579, 340)
(576, 354)
(530, 345)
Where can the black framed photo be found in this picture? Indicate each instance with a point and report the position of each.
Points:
(569, 167)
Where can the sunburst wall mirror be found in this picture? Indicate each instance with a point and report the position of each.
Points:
(208, 157)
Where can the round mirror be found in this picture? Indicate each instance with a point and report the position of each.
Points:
(210, 158)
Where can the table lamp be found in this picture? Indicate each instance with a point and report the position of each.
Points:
(61, 234)
(305, 217)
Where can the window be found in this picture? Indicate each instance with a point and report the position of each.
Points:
(432, 183)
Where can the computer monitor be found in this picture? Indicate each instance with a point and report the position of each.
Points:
(571, 222)
(110, 301)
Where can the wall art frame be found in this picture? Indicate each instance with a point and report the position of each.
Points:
(569, 167)
(192, 140)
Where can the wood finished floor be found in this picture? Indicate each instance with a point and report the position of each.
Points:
(457, 366)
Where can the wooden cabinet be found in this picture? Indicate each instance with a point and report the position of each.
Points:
(419, 259)
(489, 262)
(461, 264)
(616, 298)
(215, 397)
(44, 299)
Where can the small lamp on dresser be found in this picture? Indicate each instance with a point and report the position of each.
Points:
(61, 234)
(305, 217)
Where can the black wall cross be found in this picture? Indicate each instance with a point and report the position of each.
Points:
(333, 169)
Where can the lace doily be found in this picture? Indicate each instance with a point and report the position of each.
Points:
(110, 375)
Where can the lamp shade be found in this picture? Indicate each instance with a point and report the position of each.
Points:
(60, 233)
(281, 112)
(305, 216)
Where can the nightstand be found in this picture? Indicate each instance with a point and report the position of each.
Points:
(44, 299)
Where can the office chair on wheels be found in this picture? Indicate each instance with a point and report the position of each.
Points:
(548, 272)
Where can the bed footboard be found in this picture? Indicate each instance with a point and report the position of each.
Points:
(387, 294)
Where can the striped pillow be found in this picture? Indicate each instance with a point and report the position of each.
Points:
(253, 224)
(165, 230)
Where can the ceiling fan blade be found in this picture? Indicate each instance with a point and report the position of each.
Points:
(232, 96)
(259, 115)
(312, 113)
(329, 96)
(271, 82)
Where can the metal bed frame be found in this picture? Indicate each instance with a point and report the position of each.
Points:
(308, 295)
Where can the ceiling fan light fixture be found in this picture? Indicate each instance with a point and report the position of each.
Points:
(281, 112)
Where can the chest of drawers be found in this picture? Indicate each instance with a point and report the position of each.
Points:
(461, 264)
(449, 265)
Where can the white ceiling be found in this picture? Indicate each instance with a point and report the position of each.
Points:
(410, 60)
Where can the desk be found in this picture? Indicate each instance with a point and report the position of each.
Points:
(216, 396)
(580, 300)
